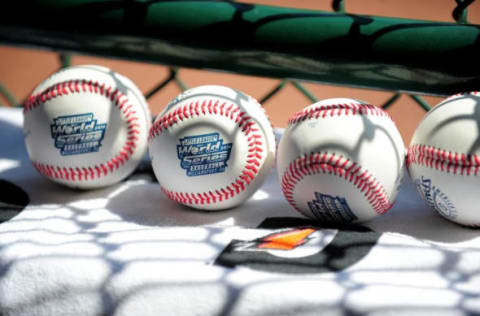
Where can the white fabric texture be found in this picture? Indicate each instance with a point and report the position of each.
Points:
(128, 250)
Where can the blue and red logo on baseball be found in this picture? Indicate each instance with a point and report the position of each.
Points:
(77, 134)
(203, 154)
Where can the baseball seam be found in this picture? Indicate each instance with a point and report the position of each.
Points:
(475, 93)
(323, 111)
(119, 99)
(248, 127)
(443, 160)
(337, 165)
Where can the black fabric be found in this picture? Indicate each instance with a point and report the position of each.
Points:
(12, 200)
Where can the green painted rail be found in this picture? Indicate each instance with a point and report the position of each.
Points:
(394, 54)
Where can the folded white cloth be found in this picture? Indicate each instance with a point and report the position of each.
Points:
(128, 250)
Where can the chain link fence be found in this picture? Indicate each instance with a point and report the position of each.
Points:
(459, 15)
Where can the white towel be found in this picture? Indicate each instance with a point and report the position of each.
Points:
(128, 250)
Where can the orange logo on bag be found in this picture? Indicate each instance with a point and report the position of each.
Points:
(286, 240)
(295, 245)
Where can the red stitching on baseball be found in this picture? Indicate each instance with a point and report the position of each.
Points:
(443, 160)
(248, 127)
(475, 93)
(323, 111)
(119, 99)
(327, 163)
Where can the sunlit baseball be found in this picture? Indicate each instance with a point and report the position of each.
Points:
(444, 158)
(212, 148)
(86, 127)
(341, 161)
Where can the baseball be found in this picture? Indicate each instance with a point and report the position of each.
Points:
(444, 158)
(86, 127)
(211, 148)
(340, 161)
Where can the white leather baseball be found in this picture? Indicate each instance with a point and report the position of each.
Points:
(212, 147)
(86, 127)
(341, 160)
(444, 158)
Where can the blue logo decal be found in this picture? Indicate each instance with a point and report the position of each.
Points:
(203, 154)
(77, 134)
(329, 208)
(435, 198)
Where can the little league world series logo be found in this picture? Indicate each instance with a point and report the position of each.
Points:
(333, 209)
(77, 134)
(203, 154)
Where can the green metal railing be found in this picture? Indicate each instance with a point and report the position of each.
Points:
(400, 55)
